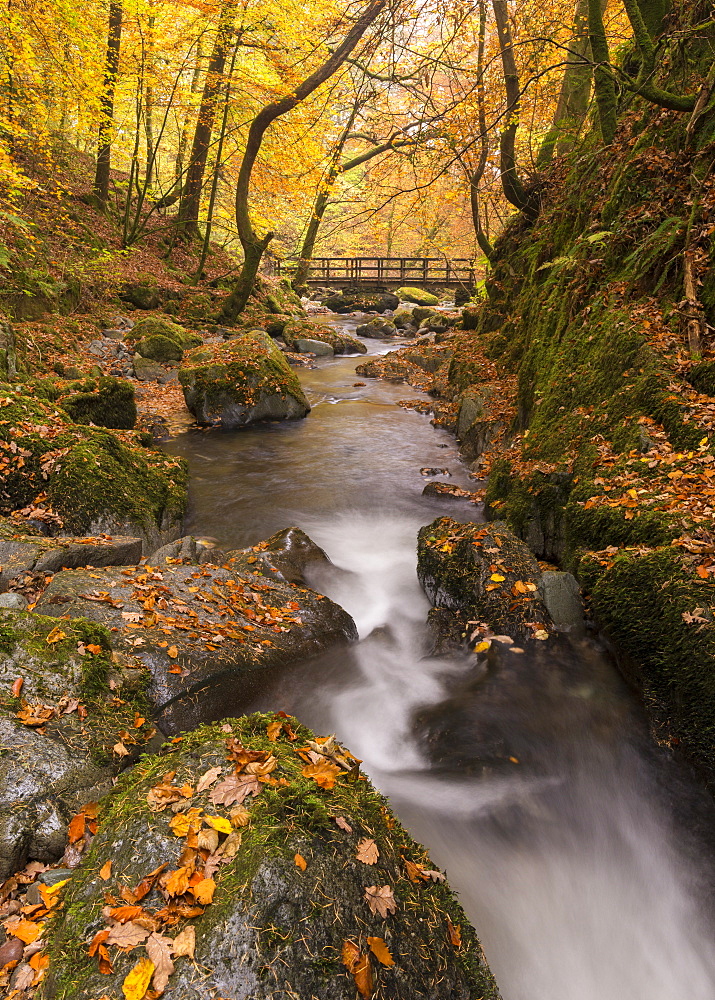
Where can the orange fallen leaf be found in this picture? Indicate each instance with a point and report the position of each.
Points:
(75, 831)
(173, 652)
(204, 891)
(380, 951)
(17, 687)
(300, 862)
(323, 774)
(454, 932)
(25, 930)
(106, 870)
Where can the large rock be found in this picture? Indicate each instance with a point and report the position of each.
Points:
(241, 382)
(378, 328)
(94, 481)
(23, 553)
(158, 326)
(418, 295)
(355, 300)
(214, 630)
(104, 402)
(340, 342)
(475, 428)
(274, 895)
(62, 733)
(485, 574)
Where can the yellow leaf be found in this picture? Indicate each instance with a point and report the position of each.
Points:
(173, 652)
(218, 823)
(482, 647)
(137, 981)
(56, 635)
(183, 823)
(497, 578)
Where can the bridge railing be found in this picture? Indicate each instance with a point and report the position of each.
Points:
(378, 270)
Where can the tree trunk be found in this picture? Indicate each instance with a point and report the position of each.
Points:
(603, 74)
(514, 190)
(253, 245)
(476, 176)
(575, 90)
(184, 134)
(104, 152)
(194, 177)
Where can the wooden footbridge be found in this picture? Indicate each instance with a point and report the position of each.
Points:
(381, 272)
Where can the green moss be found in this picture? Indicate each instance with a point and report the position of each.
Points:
(159, 348)
(640, 599)
(297, 816)
(156, 326)
(112, 405)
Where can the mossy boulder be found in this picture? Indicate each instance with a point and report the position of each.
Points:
(288, 913)
(243, 381)
(355, 300)
(75, 700)
(378, 328)
(341, 343)
(659, 614)
(483, 573)
(159, 348)
(158, 326)
(211, 635)
(110, 404)
(95, 481)
(418, 295)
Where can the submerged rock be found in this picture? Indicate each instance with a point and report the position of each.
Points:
(285, 876)
(243, 381)
(210, 635)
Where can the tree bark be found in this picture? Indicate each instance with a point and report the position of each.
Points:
(604, 82)
(575, 90)
(254, 245)
(104, 152)
(514, 190)
(194, 177)
(477, 174)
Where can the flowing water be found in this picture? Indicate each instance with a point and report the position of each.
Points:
(585, 861)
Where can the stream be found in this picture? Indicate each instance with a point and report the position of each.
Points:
(586, 862)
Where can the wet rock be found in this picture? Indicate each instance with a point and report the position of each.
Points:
(232, 625)
(242, 381)
(354, 300)
(42, 784)
(55, 761)
(35, 554)
(146, 370)
(339, 341)
(428, 357)
(402, 318)
(377, 328)
(486, 574)
(317, 347)
(287, 899)
(475, 431)
(186, 549)
(291, 552)
(13, 602)
(417, 295)
(561, 595)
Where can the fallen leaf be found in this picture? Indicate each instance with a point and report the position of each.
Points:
(380, 900)
(177, 882)
(173, 652)
(343, 824)
(123, 914)
(380, 951)
(497, 578)
(75, 831)
(454, 933)
(106, 870)
(434, 875)
(300, 862)
(137, 981)
(235, 789)
(25, 930)
(159, 949)
(362, 974)
(207, 779)
(182, 823)
(17, 687)
(207, 840)
(204, 891)
(219, 823)
(240, 816)
(367, 851)
(127, 935)
(350, 954)
(273, 729)
(185, 943)
(56, 635)
(323, 774)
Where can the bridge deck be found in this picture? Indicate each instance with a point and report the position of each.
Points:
(383, 271)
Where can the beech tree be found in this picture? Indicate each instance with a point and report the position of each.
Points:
(106, 124)
(254, 245)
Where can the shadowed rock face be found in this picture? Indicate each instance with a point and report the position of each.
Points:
(290, 894)
(209, 634)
